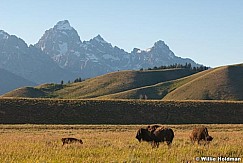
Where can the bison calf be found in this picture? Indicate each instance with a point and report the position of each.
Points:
(71, 140)
(200, 133)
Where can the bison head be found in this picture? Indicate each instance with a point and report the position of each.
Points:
(80, 141)
(143, 135)
(209, 138)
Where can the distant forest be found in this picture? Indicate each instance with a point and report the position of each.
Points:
(186, 66)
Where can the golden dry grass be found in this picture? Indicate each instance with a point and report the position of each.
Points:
(102, 85)
(156, 91)
(223, 83)
(111, 143)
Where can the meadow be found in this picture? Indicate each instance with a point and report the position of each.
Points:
(112, 143)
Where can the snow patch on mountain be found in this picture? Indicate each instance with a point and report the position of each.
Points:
(63, 48)
(92, 57)
(148, 50)
(108, 56)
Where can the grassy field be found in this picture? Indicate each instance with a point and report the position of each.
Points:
(111, 143)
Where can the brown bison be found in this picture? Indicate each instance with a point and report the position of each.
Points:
(71, 140)
(162, 134)
(143, 134)
(155, 134)
(200, 133)
(153, 128)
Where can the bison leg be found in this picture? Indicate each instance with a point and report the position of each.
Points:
(198, 142)
(168, 143)
(155, 144)
(192, 140)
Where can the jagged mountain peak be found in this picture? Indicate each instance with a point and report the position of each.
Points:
(157, 45)
(63, 25)
(3, 34)
(97, 56)
(59, 39)
(99, 39)
(160, 44)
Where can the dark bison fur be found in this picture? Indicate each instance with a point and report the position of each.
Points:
(144, 135)
(162, 134)
(155, 134)
(71, 140)
(200, 133)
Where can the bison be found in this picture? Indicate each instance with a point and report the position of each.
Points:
(200, 133)
(162, 134)
(71, 140)
(143, 134)
(155, 134)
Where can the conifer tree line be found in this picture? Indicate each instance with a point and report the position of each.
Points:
(176, 65)
(75, 81)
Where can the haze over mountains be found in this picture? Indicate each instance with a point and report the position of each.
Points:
(10, 81)
(61, 55)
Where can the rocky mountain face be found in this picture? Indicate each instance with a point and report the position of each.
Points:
(29, 62)
(96, 56)
(61, 55)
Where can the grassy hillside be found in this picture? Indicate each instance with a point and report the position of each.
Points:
(47, 111)
(10, 81)
(156, 91)
(42, 91)
(224, 83)
(103, 85)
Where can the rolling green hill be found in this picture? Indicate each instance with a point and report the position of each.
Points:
(102, 85)
(223, 83)
(156, 91)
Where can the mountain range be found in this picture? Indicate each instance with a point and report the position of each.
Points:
(61, 55)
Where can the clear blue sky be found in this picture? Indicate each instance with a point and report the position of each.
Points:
(208, 31)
